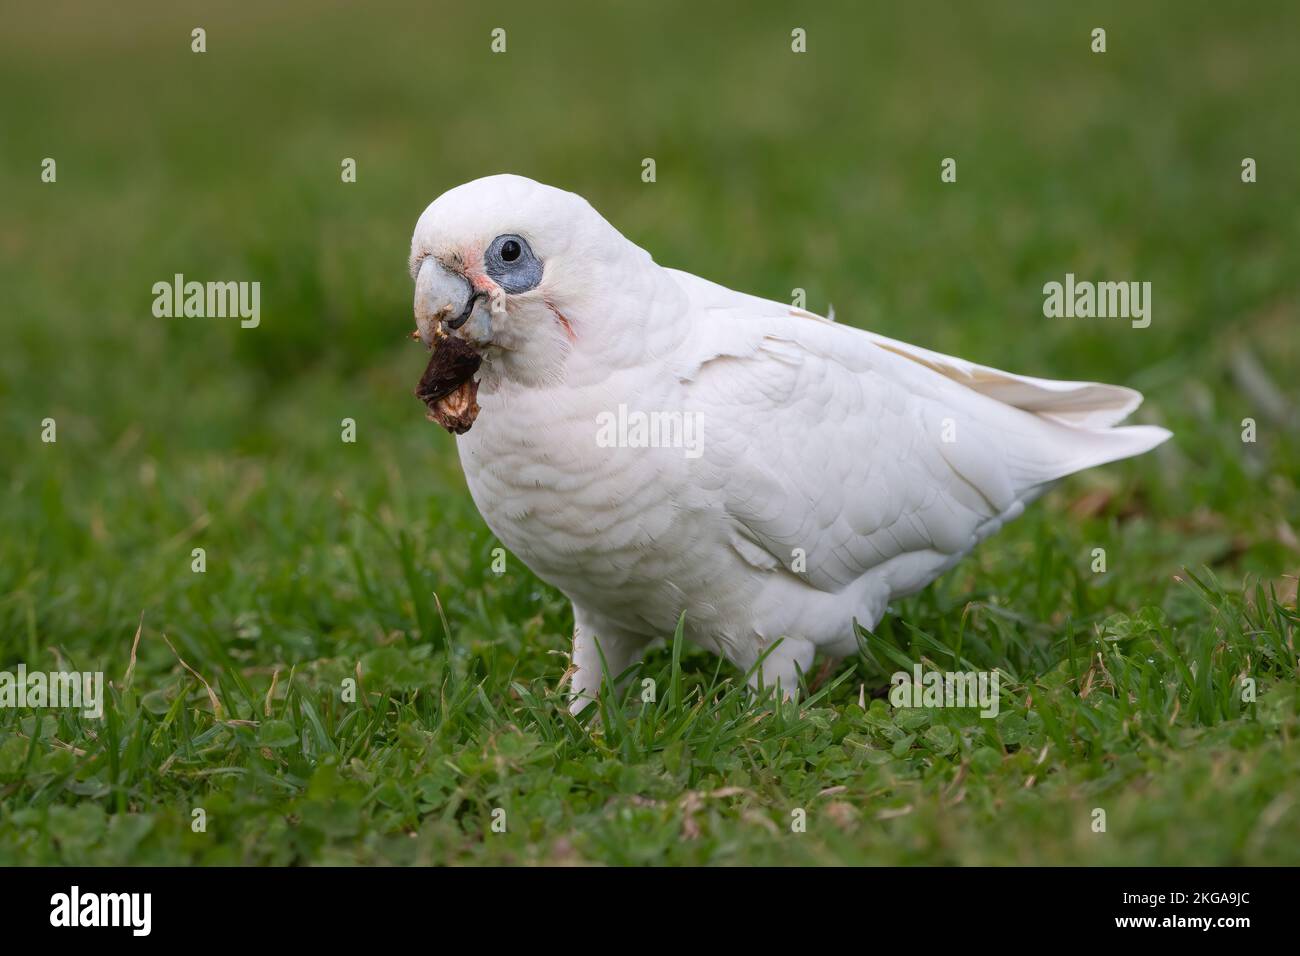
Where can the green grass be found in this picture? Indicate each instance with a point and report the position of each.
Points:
(1121, 691)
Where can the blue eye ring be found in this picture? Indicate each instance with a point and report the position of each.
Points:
(510, 263)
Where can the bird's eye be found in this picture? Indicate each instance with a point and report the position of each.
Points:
(510, 262)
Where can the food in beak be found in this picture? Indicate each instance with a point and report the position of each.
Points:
(447, 386)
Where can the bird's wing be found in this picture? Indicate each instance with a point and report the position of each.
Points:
(858, 450)
(1084, 404)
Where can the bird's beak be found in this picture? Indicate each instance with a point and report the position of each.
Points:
(445, 300)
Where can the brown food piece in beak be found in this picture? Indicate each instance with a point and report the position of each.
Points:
(447, 386)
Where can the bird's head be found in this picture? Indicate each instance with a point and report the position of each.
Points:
(507, 265)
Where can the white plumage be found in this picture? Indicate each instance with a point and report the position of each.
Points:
(837, 470)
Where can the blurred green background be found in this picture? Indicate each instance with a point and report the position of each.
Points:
(775, 170)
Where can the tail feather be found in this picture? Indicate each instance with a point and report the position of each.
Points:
(1066, 450)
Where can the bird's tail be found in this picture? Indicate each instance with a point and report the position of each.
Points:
(1077, 420)
(1066, 449)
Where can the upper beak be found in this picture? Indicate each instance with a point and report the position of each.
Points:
(446, 298)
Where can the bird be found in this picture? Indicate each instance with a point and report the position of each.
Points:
(664, 450)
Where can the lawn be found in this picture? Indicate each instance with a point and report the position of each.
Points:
(231, 734)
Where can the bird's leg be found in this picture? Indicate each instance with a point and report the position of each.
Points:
(825, 671)
(619, 648)
(781, 667)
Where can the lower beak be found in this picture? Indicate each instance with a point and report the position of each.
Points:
(445, 300)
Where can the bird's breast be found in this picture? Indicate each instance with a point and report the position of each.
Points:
(592, 487)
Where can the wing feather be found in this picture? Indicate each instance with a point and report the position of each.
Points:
(861, 452)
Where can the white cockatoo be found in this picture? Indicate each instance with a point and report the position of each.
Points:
(653, 444)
